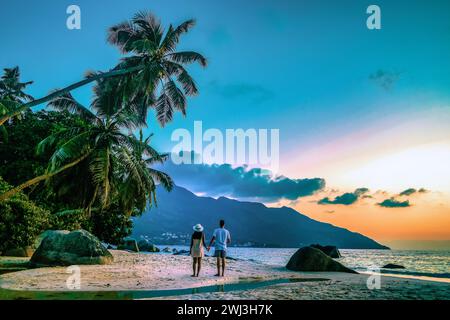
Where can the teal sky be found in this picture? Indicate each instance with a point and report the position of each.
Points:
(355, 107)
(305, 67)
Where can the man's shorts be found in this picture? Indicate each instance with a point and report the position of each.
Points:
(220, 253)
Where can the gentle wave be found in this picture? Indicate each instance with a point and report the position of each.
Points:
(419, 274)
(435, 264)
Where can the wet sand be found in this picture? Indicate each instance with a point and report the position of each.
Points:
(144, 272)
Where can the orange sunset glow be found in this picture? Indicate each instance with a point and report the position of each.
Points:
(387, 158)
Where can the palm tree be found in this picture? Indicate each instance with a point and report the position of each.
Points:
(132, 194)
(158, 85)
(11, 88)
(12, 94)
(109, 163)
(148, 72)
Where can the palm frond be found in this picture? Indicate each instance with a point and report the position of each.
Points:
(50, 142)
(176, 96)
(185, 57)
(183, 77)
(163, 178)
(150, 25)
(7, 105)
(123, 35)
(172, 36)
(100, 167)
(131, 165)
(161, 158)
(127, 118)
(72, 149)
(69, 103)
(164, 109)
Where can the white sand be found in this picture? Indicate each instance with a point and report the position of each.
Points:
(131, 271)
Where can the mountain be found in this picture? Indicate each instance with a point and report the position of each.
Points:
(250, 223)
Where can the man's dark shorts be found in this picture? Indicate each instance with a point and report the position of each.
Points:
(220, 253)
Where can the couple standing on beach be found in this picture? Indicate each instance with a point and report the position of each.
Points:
(221, 238)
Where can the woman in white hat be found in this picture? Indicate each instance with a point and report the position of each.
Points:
(197, 244)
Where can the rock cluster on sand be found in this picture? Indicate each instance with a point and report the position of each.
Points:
(19, 252)
(181, 252)
(312, 259)
(145, 245)
(393, 266)
(70, 248)
(129, 244)
(331, 251)
(26, 251)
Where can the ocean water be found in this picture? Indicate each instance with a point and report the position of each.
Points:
(417, 263)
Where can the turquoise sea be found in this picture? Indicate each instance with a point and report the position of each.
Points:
(417, 263)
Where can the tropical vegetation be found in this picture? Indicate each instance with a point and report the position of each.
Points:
(90, 166)
(21, 220)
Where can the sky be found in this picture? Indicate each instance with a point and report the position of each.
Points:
(355, 108)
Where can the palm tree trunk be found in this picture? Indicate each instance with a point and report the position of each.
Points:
(74, 86)
(40, 178)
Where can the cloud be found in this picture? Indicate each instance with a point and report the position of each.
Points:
(392, 203)
(385, 79)
(240, 182)
(411, 191)
(408, 192)
(346, 198)
(256, 93)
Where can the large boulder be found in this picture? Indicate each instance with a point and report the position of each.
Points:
(145, 245)
(129, 244)
(312, 259)
(41, 237)
(64, 248)
(331, 251)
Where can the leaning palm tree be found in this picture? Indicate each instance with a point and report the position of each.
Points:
(149, 71)
(113, 164)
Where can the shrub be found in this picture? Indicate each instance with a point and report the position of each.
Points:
(111, 225)
(21, 221)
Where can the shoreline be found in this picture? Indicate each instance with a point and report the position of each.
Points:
(346, 253)
(406, 276)
(146, 272)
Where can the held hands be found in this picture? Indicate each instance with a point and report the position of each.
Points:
(208, 248)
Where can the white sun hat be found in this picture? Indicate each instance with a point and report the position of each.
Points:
(198, 227)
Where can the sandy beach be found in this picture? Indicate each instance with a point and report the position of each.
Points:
(137, 271)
